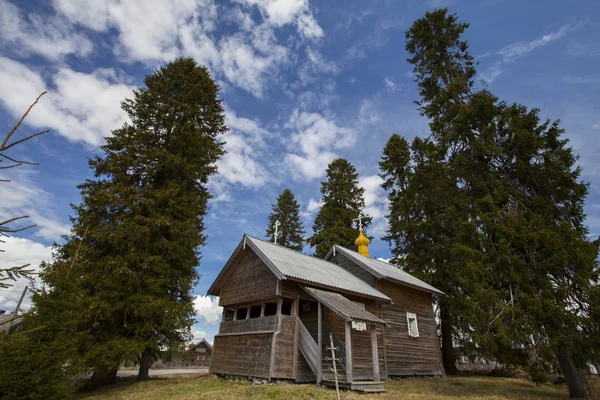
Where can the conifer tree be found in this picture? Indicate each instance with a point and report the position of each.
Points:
(505, 238)
(131, 258)
(343, 201)
(287, 212)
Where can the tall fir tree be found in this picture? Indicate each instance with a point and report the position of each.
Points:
(343, 201)
(290, 232)
(505, 237)
(131, 257)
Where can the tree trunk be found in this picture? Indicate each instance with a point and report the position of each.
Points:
(98, 379)
(578, 383)
(112, 375)
(447, 345)
(145, 360)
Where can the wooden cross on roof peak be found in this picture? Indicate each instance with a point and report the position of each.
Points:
(359, 219)
(277, 225)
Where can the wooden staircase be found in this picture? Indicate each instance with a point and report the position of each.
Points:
(310, 350)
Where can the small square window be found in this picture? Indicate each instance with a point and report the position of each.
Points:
(228, 314)
(413, 328)
(255, 311)
(270, 309)
(241, 313)
(305, 306)
(286, 308)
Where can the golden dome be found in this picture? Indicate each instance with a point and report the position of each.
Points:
(362, 242)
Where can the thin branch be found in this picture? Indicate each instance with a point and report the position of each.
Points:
(11, 166)
(24, 139)
(18, 161)
(20, 121)
(18, 230)
(8, 221)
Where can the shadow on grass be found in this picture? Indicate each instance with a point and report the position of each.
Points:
(122, 383)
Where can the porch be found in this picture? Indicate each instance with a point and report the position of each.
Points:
(330, 317)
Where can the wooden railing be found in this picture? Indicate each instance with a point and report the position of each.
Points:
(267, 324)
(309, 348)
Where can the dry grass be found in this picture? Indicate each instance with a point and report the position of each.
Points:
(212, 388)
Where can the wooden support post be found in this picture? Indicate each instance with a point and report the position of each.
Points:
(320, 343)
(376, 376)
(348, 339)
(297, 314)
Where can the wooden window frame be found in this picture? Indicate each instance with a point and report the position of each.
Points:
(412, 316)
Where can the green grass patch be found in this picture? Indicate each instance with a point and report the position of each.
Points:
(212, 388)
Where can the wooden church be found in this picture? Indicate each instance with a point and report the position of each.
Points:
(280, 308)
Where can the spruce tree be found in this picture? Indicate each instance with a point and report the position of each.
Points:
(343, 201)
(514, 257)
(135, 244)
(287, 212)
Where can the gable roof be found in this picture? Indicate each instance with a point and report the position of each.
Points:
(383, 270)
(194, 345)
(287, 264)
(347, 309)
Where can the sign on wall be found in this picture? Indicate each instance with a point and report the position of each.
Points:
(359, 326)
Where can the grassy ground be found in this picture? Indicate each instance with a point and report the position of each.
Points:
(212, 388)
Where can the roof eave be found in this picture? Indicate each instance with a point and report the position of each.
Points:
(336, 289)
(432, 290)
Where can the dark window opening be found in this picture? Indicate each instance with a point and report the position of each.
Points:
(241, 313)
(304, 306)
(228, 316)
(270, 309)
(286, 308)
(255, 311)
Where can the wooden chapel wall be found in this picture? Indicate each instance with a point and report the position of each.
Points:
(408, 355)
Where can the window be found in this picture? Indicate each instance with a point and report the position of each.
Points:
(270, 309)
(286, 308)
(241, 313)
(255, 311)
(228, 314)
(200, 350)
(413, 329)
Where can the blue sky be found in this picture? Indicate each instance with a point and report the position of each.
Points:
(302, 83)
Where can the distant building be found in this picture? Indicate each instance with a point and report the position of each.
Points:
(9, 323)
(281, 306)
(199, 354)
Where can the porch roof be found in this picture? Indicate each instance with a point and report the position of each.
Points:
(347, 309)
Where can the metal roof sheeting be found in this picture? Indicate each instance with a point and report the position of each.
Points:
(297, 266)
(385, 270)
(347, 309)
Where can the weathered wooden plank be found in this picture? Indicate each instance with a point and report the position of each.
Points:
(348, 338)
(320, 342)
(402, 352)
(374, 350)
(248, 280)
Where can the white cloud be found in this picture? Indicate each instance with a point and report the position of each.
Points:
(390, 85)
(23, 197)
(519, 49)
(283, 12)
(81, 107)
(20, 252)
(246, 145)
(154, 31)
(311, 208)
(207, 308)
(316, 137)
(50, 36)
(376, 203)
